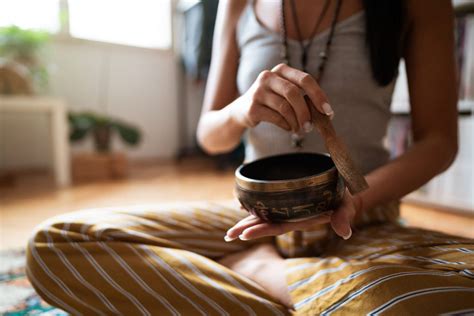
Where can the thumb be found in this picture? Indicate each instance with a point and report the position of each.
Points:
(341, 223)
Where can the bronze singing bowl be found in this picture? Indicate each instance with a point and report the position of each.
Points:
(289, 188)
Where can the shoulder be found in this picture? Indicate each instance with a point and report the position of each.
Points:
(428, 12)
(429, 24)
(230, 10)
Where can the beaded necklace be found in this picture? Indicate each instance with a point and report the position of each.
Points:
(297, 140)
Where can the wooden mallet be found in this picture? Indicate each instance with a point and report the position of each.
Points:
(339, 152)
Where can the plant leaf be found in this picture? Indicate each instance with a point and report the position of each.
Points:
(129, 134)
(77, 134)
(80, 125)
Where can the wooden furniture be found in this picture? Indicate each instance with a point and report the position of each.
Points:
(56, 110)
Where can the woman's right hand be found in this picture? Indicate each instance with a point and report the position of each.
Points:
(277, 97)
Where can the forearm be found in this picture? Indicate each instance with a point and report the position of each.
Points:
(418, 165)
(218, 131)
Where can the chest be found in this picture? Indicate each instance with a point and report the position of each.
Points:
(302, 15)
(347, 70)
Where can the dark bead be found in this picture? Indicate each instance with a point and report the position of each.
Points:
(304, 59)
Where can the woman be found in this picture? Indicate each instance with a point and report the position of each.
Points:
(267, 55)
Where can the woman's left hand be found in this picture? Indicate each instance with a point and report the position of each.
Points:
(253, 227)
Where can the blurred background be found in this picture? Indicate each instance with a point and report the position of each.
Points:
(99, 102)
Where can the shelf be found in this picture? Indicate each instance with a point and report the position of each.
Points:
(465, 107)
(463, 7)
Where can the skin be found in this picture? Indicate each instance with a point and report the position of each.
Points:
(276, 97)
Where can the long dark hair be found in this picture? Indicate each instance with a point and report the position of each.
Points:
(385, 28)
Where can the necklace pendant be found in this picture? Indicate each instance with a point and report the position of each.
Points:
(323, 55)
(297, 140)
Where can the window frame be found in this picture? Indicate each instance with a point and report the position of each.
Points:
(63, 33)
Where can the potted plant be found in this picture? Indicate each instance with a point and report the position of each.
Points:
(101, 128)
(23, 47)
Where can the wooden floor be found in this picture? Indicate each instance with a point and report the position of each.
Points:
(34, 198)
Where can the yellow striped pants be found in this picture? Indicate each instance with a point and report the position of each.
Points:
(158, 260)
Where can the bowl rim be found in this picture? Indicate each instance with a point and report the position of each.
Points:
(250, 184)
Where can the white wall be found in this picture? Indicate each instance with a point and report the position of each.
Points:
(135, 84)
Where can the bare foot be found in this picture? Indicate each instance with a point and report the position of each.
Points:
(263, 265)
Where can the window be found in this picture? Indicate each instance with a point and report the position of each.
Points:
(30, 14)
(143, 23)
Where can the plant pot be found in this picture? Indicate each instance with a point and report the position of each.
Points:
(102, 138)
(89, 167)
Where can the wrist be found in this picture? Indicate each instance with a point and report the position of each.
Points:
(237, 113)
(233, 116)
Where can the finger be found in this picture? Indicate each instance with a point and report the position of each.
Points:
(275, 229)
(341, 224)
(294, 95)
(246, 219)
(341, 219)
(307, 83)
(264, 113)
(262, 230)
(238, 228)
(281, 105)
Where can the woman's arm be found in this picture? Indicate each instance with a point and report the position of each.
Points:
(217, 131)
(431, 69)
(276, 96)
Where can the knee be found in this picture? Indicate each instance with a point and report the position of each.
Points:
(40, 245)
(52, 230)
(49, 244)
(39, 258)
(44, 242)
(47, 260)
(35, 257)
(61, 233)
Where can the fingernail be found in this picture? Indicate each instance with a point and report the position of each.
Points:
(328, 110)
(228, 239)
(348, 235)
(308, 127)
(242, 237)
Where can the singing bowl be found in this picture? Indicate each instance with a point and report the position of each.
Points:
(290, 187)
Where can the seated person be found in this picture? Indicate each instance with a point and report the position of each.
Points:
(213, 259)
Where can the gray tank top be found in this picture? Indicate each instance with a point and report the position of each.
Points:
(361, 106)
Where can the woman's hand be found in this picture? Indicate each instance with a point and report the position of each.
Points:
(277, 96)
(253, 227)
